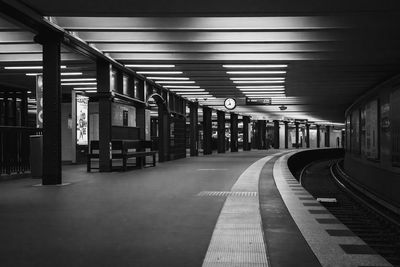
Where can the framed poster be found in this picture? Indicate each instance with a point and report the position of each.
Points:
(39, 101)
(82, 116)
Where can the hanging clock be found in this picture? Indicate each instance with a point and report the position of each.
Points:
(230, 103)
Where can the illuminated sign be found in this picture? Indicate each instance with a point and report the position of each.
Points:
(82, 116)
(258, 101)
(39, 101)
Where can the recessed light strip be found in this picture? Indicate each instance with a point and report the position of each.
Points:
(78, 79)
(175, 82)
(192, 93)
(257, 79)
(251, 82)
(187, 90)
(182, 86)
(29, 67)
(62, 74)
(78, 83)
(257, 66)
(149, 66)
(85, 88)
(261, 86)
(256, 72)
(159, 72)
(169, 78)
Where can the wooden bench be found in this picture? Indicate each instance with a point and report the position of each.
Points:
(124, 149)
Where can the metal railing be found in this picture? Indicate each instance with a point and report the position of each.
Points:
(15, 148)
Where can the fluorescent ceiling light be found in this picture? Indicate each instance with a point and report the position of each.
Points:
(85, 88)
(83, 83)
(257, 72)
(149, 66)
(263, 93)
(28, 67)
(62, 74)
(169, 78)
(87, 91)
(183, 86)
(187, 90)
(208, 97)
(159, 72)
(256, 66)
(177, 82)
(192, 93)
(250, 82)
(78, 79)
(261, 87)
(258, 79)
(71, 73)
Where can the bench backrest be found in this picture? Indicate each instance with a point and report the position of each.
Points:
(123, 145)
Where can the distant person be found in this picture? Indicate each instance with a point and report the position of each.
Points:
(337, 141)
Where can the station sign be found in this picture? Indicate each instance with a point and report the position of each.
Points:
(258, 101)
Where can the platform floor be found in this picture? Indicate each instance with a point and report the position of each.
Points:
(186, 212)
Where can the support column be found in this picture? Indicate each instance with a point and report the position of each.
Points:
(257, 135)
(261, 132)
(221, 131)
(276, 134)
(24, 109)
(207, 131)
(308, 135)
(234, 132)
(318, 136)
(103, 89)
(286, 134)
(328, 136)
(194, 129)
(164, 132)
(246, 137)
(297, 134)
(51, 109)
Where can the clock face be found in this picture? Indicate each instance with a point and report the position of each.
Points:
(230, 103)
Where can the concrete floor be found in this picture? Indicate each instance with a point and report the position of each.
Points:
(148, 217)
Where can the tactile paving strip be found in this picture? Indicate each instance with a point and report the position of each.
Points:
(238, 239)
(226, 194)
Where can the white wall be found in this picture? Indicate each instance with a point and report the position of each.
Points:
(334, 135)
(313, 138)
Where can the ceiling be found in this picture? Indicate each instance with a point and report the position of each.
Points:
(316, 58)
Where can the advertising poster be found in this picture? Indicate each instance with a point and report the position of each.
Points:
(39, 101)
(82, 115)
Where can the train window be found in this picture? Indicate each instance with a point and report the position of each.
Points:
(355, 132)
(348, 148)
(395, 126)
(371, 130)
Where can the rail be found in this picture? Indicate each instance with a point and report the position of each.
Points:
(15, 149)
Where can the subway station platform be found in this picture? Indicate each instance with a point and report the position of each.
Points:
(233, 209)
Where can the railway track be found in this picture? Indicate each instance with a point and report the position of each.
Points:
(372, 221)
